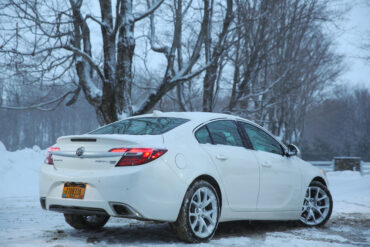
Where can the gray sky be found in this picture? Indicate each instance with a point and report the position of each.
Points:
(355, 32)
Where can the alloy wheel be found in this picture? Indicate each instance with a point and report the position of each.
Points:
(203, 212)
(316, 206)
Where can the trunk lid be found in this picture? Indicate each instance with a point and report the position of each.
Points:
(92, 151)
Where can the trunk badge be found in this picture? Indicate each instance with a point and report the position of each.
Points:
(80, 151)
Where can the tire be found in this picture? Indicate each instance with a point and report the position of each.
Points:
(317, 205)
(86, 222)
(199, 214)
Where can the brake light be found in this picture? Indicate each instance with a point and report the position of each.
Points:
(118, 150)
(49, 159)
(137, 156)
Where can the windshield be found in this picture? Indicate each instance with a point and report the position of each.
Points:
(141, 126)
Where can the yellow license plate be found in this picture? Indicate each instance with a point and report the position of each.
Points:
(74, 190)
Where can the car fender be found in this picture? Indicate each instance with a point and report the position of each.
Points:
(308, 174)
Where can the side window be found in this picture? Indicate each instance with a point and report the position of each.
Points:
(202, 135)
(261, 140)
(225, 132)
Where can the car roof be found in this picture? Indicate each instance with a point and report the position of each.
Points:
(200, 117)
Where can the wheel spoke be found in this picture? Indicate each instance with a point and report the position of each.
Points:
(308, 215)
(195, 223)
(193, 214)
(313, 216)
(194, 203)
(321, 207)
(317, 193)
(318, 210)
(322, 198)
(207, 215)
(205, 226)
(201, 224)
(206, 203)
(198, 197)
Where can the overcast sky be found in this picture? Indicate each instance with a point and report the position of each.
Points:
(356, 31)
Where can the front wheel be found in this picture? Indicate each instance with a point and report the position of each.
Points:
(199, 214)
(86, 222)
(317, 205)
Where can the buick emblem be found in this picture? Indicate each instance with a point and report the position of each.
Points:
(80, 151)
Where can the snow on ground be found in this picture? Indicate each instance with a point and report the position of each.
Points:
(19, 171)
(24, 223)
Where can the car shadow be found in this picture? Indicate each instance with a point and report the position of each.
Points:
(160, 233)
(254, 229)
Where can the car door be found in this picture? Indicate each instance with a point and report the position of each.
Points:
(280, 179)
(237, 166)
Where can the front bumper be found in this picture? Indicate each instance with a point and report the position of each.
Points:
(151, 191)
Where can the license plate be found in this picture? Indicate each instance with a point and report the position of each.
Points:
(74, 190)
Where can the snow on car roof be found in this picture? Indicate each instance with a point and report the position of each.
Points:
(199, 116)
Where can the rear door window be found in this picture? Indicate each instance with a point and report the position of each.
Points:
(141, 126)
(225, 132)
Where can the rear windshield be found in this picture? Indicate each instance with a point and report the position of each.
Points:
(141, 126)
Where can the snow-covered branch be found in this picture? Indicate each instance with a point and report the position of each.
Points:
(88, 58)
(183, 76)
(267, 89)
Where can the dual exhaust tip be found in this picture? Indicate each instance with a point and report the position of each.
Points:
(120, 209)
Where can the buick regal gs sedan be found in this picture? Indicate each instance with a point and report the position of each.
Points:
(192, 170)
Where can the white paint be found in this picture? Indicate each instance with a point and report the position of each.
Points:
(181, 161)
(156, 190)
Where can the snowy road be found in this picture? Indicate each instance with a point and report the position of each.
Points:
(23, 223)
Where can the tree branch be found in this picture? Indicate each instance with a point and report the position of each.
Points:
(40, 105)
(150, 11)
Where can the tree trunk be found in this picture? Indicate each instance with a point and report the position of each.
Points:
(211, 72)
(126, 46)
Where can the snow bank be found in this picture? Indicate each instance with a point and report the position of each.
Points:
(350, 191)
(2, 147)
(19, 171)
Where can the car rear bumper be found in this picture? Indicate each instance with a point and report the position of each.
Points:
(152, 191)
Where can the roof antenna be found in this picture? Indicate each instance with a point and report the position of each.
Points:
(157, 113)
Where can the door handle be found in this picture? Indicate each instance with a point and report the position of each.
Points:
(266, 164)
(221, 157)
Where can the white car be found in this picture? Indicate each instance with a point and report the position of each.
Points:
(192, 170)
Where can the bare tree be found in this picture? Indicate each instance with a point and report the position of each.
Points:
(282, 60)
(178, 70)
(60, 38)
(266, 60)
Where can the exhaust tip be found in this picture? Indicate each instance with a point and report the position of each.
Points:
(123, 210)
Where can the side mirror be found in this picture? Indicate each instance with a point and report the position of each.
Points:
(293, 150)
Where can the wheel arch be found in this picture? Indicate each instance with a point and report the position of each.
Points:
(212, 181)
(320, 180)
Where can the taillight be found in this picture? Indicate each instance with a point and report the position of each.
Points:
(49, 159)
(137, 156)
(118, 150)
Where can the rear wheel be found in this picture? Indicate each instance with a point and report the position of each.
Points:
(317, 205)
(199, 214)
(86, 222)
